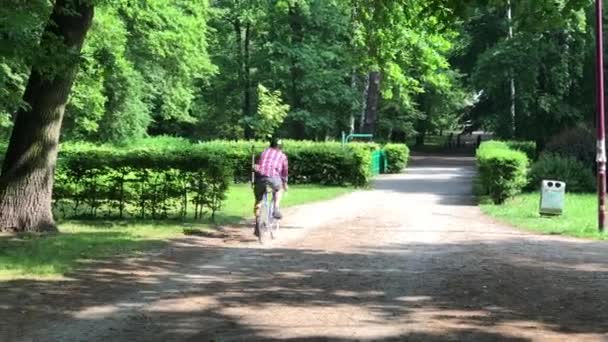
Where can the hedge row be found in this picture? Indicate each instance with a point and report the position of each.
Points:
(171, 177)
(502, 170)
(397, 157)
(527, 147)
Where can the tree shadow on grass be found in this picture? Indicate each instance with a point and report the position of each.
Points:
(197, 293)
(52, 255)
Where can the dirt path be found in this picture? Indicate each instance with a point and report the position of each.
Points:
(411, 260)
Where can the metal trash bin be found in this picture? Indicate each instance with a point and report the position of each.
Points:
(552, 197)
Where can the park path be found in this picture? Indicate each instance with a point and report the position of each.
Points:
(410, 260)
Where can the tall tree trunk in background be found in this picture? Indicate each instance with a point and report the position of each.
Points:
(373, 100)
(512, 80)
(364, 103)
(353, 79)
(247, 78)
(296, 72)
(353, 86)
(26, 182)
(238, 35)
(241, 72)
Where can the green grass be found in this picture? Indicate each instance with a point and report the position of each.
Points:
(579, 218)
(239, 203)
(48, 256)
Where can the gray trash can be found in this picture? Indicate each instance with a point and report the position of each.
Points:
(552, 197)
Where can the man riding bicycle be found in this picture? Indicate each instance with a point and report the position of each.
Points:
(271, 169)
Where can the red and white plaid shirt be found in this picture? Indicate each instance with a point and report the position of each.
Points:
(273, 163)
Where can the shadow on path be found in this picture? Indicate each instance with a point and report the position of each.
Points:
(477, 286)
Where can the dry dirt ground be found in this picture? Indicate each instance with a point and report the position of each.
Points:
(411, 260)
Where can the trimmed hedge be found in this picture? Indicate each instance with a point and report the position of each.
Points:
(527, 147)
(171, 177)
(502, 171)
(167, 177)
(397, 157)
(325, 163)
(172, 180)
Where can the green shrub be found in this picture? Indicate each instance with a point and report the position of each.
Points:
(502, 171)
(325, 163)
(397, 156)
(527, 147)
(156, 182)
(578, 177)
(171, 177)
(578, 143)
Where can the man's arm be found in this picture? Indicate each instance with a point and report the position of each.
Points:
(285, 172)
(256, 164)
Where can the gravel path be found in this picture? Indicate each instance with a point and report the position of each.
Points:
(410, 260)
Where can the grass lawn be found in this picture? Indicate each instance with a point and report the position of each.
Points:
(32, 256)
(579, 219)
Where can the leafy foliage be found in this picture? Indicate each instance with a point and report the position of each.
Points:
(577, 175)
(578, 143)
(271, 113)
(502, 171)
(548, 58)
(397, 156)
(168, 177)
(196, 68)
(527, 147)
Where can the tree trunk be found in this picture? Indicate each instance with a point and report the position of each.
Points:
(420, 138)
(296, 72)
(242, 69)
(247, 79)
(353, 86)
(26, 183)
(373, 99)
(364, 104)
(239, 50)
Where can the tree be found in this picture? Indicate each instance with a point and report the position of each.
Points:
(271, 113)
(403, 47)
(546, 57)
(26, 181)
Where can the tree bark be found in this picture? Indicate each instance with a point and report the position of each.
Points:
(26, 182)
(373, 99)
(247, 79)
(239, 49)
(364, 104)
(353, 86)
(296, 72)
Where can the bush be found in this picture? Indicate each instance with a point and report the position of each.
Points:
(578, 143)
(397, 156)
(578, 177)
(171, 177)
(157, 182)
(325, 163)
(502, 171)
(527, 147)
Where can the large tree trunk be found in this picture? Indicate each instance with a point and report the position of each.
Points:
(26, 183)
(373, 100)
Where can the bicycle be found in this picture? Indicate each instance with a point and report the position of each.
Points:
(266, 223)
